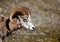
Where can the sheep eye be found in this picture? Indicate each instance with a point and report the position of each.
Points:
(25, 20)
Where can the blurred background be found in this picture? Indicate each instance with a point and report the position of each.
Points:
(45, 16)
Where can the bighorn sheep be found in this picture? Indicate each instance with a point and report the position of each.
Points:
(18, 17)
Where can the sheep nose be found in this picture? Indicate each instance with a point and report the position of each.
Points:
(33, 27)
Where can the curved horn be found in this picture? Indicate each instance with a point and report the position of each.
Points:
(26, 9)
(13, 10)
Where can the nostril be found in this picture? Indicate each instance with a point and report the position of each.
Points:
(32, 30)
(33, 27)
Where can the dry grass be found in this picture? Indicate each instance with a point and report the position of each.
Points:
(45, 16)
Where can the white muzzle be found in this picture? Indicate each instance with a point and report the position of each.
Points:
(27, 24)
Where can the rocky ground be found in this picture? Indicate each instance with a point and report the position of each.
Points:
(45, 16)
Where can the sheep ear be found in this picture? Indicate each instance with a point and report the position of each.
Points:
(29, 18)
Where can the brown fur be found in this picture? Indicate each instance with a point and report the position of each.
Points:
(3, 28)
(12, 26)
(15, 24)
